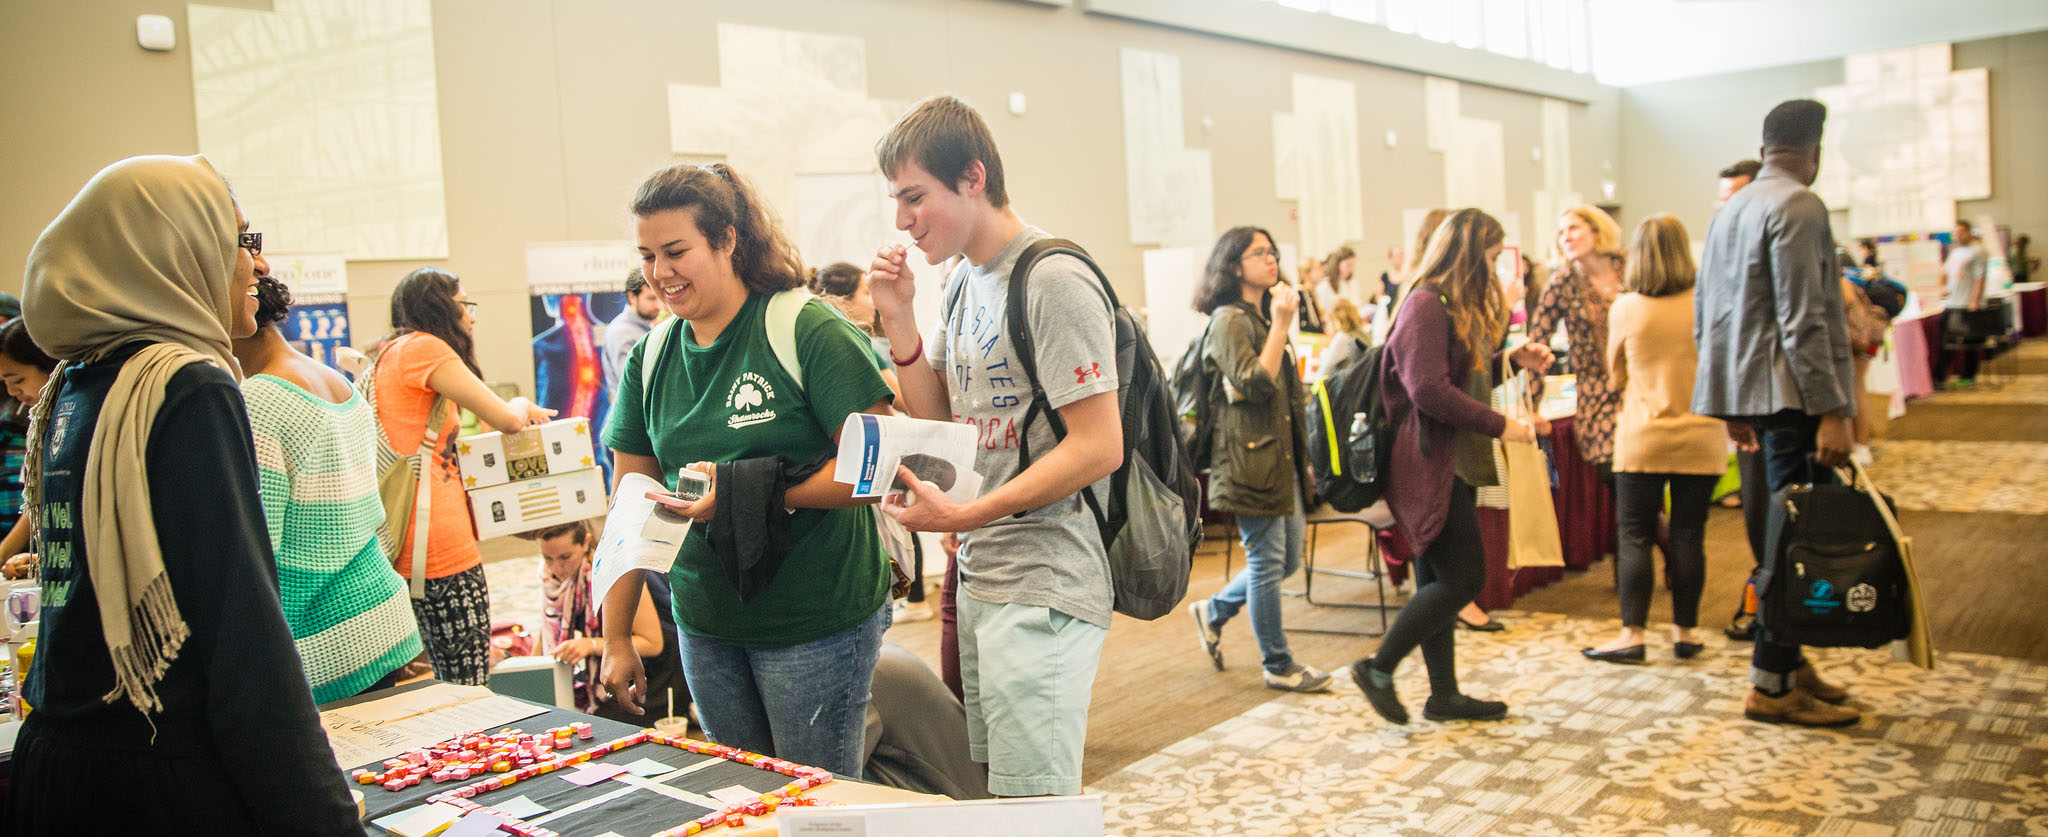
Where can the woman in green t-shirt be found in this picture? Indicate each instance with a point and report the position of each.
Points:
(786, 670)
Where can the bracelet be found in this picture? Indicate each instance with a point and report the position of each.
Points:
(913, 355)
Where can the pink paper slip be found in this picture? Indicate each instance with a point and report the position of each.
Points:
(594, 774)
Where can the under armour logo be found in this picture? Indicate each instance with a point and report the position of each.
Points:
(1082, 373)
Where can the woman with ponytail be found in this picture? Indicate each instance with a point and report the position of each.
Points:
(784, 668)
(1448, 328)
(431, 358)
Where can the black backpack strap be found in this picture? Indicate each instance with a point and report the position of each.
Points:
(1018, 322)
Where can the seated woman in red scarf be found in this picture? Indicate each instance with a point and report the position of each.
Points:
(573, 633)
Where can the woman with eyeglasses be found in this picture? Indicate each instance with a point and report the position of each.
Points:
(1260, 443)
(431, 356)
(164, 652)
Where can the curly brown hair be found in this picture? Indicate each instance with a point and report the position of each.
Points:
(728, 212)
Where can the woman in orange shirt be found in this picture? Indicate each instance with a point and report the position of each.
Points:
(429, 355)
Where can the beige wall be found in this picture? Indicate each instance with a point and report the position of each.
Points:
(551, 112)
(1675, 136)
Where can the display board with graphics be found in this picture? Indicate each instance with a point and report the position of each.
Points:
(578, 293)
(318, 321)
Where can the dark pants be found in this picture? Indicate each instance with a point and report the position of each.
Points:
(1948, 326)
(1448, 575)
(1756, 499)
(1640, 501)
(1787, 439)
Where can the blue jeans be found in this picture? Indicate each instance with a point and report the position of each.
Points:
(1272, 552)
(805, 703)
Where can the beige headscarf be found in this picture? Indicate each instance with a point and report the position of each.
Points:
(146, 252)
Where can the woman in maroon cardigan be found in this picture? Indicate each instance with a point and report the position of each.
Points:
(1452, 318)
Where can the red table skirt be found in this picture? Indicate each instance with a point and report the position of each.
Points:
(2033, 312)
(1585, 514)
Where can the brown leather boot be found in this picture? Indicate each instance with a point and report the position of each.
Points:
(1808, 680)
(1796, 707)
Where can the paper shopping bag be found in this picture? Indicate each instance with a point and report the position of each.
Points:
(1532, 516)
(1918, 646)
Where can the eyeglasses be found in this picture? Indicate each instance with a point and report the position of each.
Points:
(1261, 253)
(468, 307)
(250, 241)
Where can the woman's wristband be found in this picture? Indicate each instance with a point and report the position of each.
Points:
(913, 355)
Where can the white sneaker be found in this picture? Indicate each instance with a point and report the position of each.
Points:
(1206, 633)
(1301, 679)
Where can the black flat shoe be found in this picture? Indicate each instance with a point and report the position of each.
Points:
(1743, 629)
(1463, 708)
(1383, 700)
(1632, 655)
(1486, 627)
(1687, 650)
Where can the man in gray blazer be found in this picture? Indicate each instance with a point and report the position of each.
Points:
(1774, 360)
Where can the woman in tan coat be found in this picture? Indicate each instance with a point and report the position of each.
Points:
(1658, 442)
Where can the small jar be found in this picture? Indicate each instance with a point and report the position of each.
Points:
(692, 484)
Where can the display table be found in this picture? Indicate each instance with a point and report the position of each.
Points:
(1916, 345)
(1585, 522)
(634, 808)
(2033, 302)
(1586, 526)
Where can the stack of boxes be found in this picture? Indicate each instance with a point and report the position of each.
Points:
(536, 478)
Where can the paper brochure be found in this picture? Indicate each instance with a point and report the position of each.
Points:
(639, 534)
(938, 452)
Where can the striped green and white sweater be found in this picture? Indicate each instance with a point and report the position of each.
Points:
(348, 610)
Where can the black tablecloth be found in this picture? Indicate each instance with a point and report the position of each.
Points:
(639, 812)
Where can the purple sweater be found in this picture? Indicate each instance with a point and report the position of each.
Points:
(1426, 370)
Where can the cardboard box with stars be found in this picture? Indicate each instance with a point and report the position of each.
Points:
(494, 458)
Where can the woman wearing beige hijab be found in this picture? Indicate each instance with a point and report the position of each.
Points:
(165, 672)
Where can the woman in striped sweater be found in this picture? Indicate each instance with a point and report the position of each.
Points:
(315, 455)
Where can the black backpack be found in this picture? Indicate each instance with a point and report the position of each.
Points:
(1193, 386)
(1832, 576)
(1152, 520)
(1350, 435)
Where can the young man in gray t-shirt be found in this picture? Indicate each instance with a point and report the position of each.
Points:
(1036, 592)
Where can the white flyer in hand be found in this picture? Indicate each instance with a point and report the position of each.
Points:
(639, 534)
(938, 452)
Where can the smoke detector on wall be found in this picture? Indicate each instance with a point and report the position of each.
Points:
(156, 33)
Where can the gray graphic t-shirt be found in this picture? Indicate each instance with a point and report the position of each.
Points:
(1052, 556)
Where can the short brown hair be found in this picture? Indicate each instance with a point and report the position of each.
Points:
(837, 279)
(1743, 168)
(1660, 259)
(944, 136)
(577, 530)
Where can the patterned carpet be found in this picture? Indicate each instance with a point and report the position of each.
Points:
(1591, 748)
(2021, 389)
(1925, 475)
